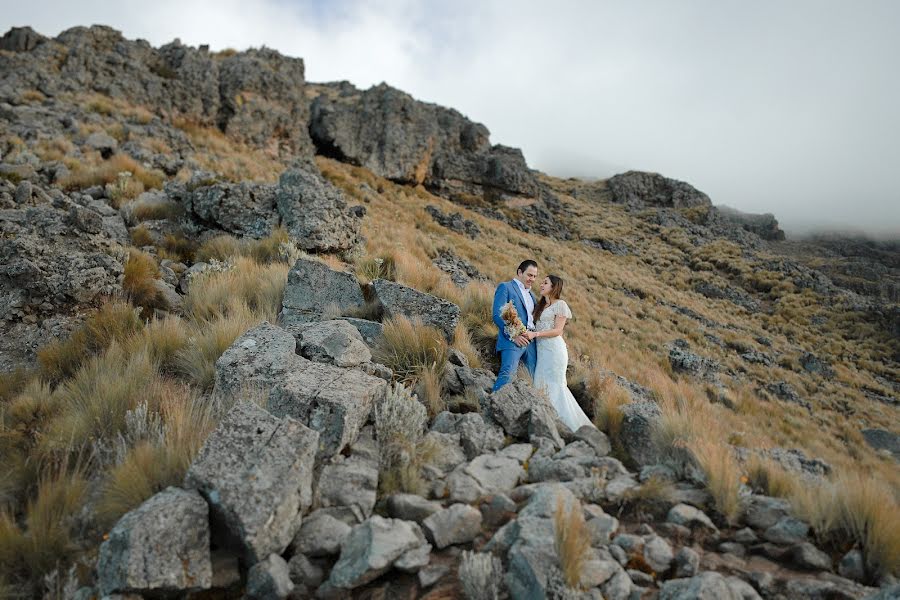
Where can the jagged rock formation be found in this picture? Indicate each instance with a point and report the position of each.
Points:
(255, 96)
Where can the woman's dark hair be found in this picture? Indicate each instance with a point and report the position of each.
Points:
(525, 264)
(555, 293)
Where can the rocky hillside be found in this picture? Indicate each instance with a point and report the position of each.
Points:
(246, 348)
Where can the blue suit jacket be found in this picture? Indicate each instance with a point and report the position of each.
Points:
(506, 291)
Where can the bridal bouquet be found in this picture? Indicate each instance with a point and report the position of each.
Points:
(514, 327)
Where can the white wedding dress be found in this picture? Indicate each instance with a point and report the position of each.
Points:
(550, 372)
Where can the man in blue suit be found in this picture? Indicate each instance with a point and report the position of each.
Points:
(514, 351)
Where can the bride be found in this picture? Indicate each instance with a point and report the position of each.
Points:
(550, 316)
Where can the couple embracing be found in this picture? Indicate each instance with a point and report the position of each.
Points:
(537, 341)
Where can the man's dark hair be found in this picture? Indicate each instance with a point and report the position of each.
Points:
(525, 264)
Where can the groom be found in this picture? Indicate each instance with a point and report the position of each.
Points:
(512, 351)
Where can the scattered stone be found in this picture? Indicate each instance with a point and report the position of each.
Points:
(320, 535)
(486, 474)
(410, 507)
(602, 528)
(255, 471)
(852, 566)
(269, 579)
(304, 572)
(371, 549)
(763, 512)
(787, 530)
(454, 222)
(684, 514)
(658, 554)
(162, 546)
(347, 486)
(476, 436)
(497, 509)
(745, 536)
(414, 559)
(732, 548)
(431, 574)
(458, 524)
(807, 556)
(687, 562)
(102, 142)
(705, 586)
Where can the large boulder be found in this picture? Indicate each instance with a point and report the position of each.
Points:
(399, 138)
(639, 422)
(347, 485)
(258, 359)
(256, 471)
(315, 213)
(706, 586)
(160, 547)
(522, 411)
(320, 535)
(336, 342)
(457, 524)
(313, 287)
(400, 300)
(57, 258)
(637, 189)
(335, 402)
(269, 579)
(244, 209)
(764, 225)
(488, 474)
(372, 548)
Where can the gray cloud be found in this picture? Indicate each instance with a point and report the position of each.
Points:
(782, 107)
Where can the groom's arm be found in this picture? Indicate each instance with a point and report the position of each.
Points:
(501, 297)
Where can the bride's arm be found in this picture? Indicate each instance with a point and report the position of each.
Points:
(558, 324)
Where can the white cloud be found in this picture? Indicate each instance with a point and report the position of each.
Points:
(772, 107)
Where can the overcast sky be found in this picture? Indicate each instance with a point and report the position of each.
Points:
(788, 107)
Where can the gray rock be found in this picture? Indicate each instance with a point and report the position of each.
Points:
(807, 556)
(687, 562)
(256, 470)
(458, 524)
(269, 579)
(891, 592)
(684, 361)
(828, 589)
(602, 528)
(852, 566)
(460, 379)
(243, 209)
(497, 509)
(399, 138)
(762, 512)
(304, 572)
(334, 342)
(162, 546)
(320, 535)
(595, 438)
(431, 574)
(448, 451)
(637, 189)
(618, 587)
(260, 358)
(410, 507)
(658, 553)
(575, 461)
(476, 436)
(335, 402)
(531, 552)
(733, 548)
(705, 586)
(684, 514)
(741, 589)
(313, 286)
(347, 486)
(414, 559)
(315, 213)
(486, 474)
(639, 420)
(372, 548)
(102, 142)
(629, 542)
(371, 331)
(882, 439)
(745, 536)
(787, 530)
(400, 300)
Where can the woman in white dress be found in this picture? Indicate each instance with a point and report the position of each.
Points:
(550, 316)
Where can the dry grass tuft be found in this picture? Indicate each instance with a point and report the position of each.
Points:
(408, 347)
(164, 339)
(854, 509)
(196, 362)
(572, 542)
(428, 388)
(96, 171)
(114, 322)
(152, 210)
(767, 477)
(650, 499)
(462, 341)
(141, 272)
(221, 248)
(370, 268)
(609, 398)
(140, 237)
(723, 476)
(260, 288)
